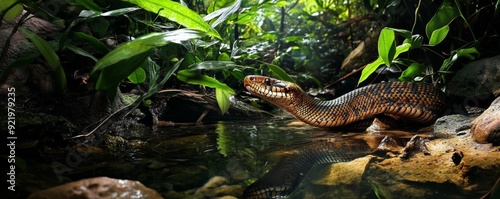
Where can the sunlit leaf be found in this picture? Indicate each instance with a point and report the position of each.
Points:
(386, 46)
(144, 44)
(50, 55)
(223, 57)
(438, 35)
(369, 69)
(138, 76)
(469, 53)
(280, 73)
(444, 16)
(222, 97)
(13, 12)
(178, 13)
(224, 13)
(194, 77)
(412, 71)
(372, 67)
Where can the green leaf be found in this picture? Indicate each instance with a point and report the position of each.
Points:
(196, 78)
(80, 51)
(386, 46)
(372, 67)
(92, 41)
(111, 13)
(438, 35)
(144, 44)
(280, 73)
(111, 76)
(50, 55)
(222, 97)
(178, 13)
(469, 53)
(405, 33)
(88, 4)
(412, 71)
(444, 16)
(402, 48)
(12, 10)
(224, 13)
(369, 69)
(138, 76)
(223, 57)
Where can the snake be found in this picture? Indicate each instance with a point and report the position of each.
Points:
(391, 102)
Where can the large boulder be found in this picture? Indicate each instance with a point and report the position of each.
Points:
(477, 80)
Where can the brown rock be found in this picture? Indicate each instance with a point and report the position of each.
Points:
(97, 188)
(486, 127)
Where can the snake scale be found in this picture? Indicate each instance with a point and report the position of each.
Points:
(415, 103)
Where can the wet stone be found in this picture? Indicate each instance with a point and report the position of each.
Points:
(97, 188)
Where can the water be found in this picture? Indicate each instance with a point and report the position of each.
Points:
(181, 159)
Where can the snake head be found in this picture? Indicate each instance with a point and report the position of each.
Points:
(273, 90)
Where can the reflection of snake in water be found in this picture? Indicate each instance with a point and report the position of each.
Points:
(390, 102)
(286, 176)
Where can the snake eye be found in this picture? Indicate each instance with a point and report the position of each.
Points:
(267, 82)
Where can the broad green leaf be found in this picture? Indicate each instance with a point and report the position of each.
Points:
(88, 4)
(194, 77)
(438, 35)
(386, 46)
(402, 48)
(13, 10)
(111, 76)
(280, 73)
(413, 70)
(222, 97)
(80, 51)
(50, 55)
(469, 53)
(138, 76)
(92, 41)
(369, 69)
(144, 44)
(372, 67)
(444, 16)
(178, 13)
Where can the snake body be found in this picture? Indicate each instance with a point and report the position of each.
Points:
(415, 103)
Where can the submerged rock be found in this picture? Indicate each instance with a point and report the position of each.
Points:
(96, 188)
(486, 127)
